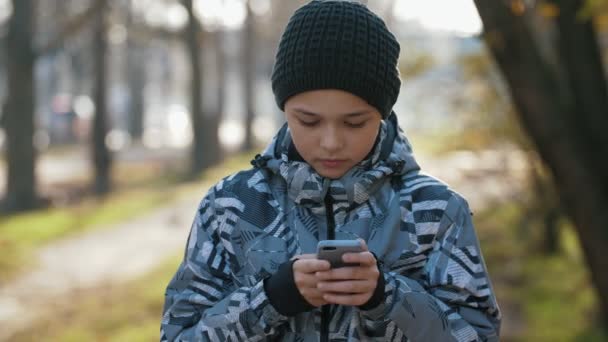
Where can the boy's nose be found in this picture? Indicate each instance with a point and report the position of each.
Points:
(331, 140)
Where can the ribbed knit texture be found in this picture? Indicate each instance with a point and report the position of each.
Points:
(338, 45)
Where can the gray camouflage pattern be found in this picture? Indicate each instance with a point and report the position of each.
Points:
(437, 285)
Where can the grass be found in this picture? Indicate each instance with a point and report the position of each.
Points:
(559, 294)
(22, 234)
(553, 294)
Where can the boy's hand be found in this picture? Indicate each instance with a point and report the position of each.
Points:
(350, 285)
(304, 270)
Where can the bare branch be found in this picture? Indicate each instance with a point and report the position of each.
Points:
(139, 31)
(142, 33)
(71, 28)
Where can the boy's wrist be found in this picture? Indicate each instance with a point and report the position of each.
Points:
(283, 293)
(377, 297)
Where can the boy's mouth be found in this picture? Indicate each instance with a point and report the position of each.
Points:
(332, 163)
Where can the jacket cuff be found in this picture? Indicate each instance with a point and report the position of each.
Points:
(378, 296)
(269, 317)
(282, 292)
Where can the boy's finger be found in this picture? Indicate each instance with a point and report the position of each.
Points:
(349, 286)
(304, 256)
(310, 265)
(348, 273)
(363, 244)
(303, 280)
(363, 258)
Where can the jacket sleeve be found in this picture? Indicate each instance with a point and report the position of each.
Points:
(202, 302)
(452, 300)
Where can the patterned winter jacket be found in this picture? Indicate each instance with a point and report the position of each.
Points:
(436, 284)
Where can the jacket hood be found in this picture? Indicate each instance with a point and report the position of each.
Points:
(391, 156)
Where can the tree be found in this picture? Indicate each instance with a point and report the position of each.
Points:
(222, 84)
(248, 56)
(494, 124)
(213, 118)
(19, 110)
(560, 93)
(192, 35)
(101, 155)
(136, 76)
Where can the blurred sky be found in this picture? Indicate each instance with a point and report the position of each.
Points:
(457, 16)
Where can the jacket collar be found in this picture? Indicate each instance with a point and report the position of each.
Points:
(391, 156)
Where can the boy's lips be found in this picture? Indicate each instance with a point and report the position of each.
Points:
(332, 163)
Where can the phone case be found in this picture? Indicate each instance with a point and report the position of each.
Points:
(332, 251)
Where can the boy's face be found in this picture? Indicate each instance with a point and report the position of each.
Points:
(333, 130)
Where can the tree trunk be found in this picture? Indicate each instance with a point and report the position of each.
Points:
(136, 78)
(582, 60)
(193, 33)
(545, 205)
(547, 105)
(136, 85)
(248, 55)
(101, 155)
(19, 111)
(213, 119)
(221, 89)
(550, 220)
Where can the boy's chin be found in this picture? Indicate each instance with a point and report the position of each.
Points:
(331, 174)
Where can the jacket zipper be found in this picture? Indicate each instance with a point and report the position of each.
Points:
(331, 225)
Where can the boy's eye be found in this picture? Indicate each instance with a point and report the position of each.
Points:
(309, 123)
(355, 125)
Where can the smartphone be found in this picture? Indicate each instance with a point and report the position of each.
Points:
(332, 251)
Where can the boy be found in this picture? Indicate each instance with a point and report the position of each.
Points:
(339, 169)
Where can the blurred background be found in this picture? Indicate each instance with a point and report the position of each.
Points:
(116, 117)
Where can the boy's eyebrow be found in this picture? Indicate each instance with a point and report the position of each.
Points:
(350, 115)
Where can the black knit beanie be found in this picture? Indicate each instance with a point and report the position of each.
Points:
(332, 44)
